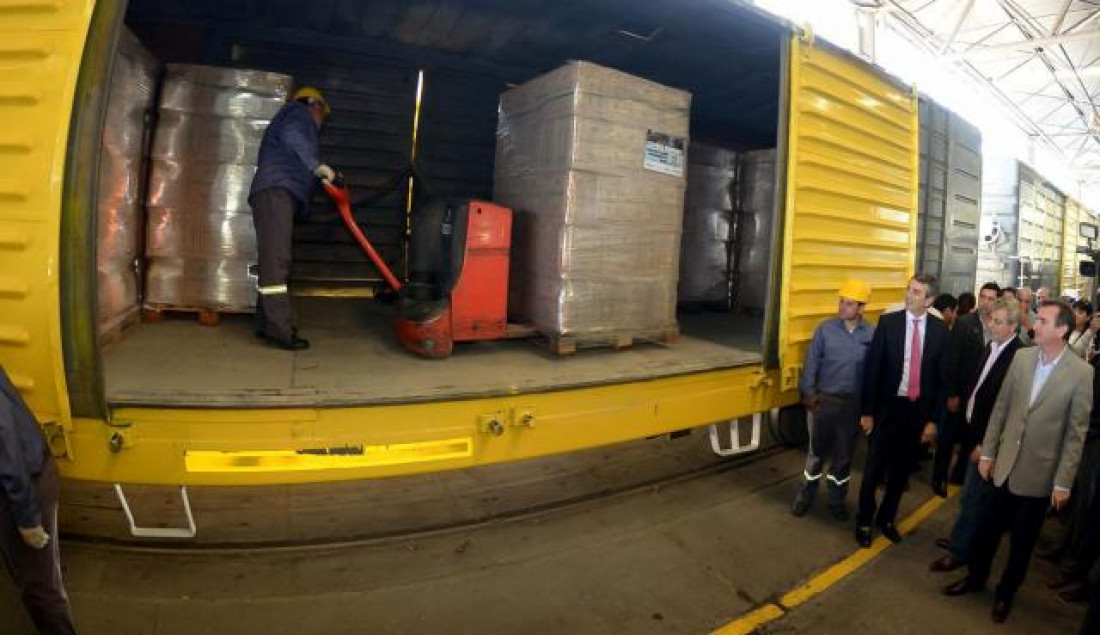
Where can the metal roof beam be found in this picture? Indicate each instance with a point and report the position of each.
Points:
(1061, 17)
(958, 25)
(1024, 47)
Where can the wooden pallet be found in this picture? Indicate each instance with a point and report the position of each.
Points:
(205, 316)
(113, 331)
(565, 345)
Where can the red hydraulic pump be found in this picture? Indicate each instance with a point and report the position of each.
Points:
(458, 256)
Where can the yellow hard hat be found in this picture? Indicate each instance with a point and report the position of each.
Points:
(311, 93)
(855, 289)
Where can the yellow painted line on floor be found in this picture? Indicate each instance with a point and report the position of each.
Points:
(752, 621)
(816, 585)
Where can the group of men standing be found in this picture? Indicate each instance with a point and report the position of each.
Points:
(1019, 413)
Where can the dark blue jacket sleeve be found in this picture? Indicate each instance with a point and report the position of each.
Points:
(807, 383)
(15, 475)
(300, 135)
(873, 369)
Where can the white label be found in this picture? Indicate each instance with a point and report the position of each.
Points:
(664, 153)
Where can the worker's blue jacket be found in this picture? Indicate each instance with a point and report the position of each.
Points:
(22, 455)
(288, 153)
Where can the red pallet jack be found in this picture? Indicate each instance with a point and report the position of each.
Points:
(459, 254)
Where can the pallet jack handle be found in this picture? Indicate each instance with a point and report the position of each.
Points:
(339, 193)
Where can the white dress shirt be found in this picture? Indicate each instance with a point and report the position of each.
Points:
(995, 351)
(1043, 369)
(903, 388)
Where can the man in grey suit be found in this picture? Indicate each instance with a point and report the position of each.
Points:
(1030, 452)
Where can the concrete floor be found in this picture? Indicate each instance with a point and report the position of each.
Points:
(686, 557)
(356, 360)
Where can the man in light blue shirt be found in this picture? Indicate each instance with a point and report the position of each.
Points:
(831, 380)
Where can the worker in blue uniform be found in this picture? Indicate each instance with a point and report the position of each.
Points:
(288, 167)
(29, 488)
(830, 384)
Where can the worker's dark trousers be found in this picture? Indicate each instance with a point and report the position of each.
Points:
(37, 572)
(834, 428)
(273, 216)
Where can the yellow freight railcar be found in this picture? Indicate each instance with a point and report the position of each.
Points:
(846, 137)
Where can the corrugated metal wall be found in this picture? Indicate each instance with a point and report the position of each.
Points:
(1071, 238)
(1022, 226)
(950, 197)
(1042, 209)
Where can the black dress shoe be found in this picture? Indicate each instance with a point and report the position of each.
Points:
(891, 532)
(1001, 609)
(943, 543)
(945, 564)
(962, 587)
(939, 489)
(863, 536)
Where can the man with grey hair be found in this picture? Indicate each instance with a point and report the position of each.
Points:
(1004, 318)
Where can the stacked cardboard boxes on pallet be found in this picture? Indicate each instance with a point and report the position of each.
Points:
(200, 239)
(592, 161)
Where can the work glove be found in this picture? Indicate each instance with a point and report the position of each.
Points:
(325, 173)
(35, 537)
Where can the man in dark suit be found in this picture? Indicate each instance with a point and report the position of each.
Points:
(1030, 452)
(904, 384)
(1004, 319)
(967, 341)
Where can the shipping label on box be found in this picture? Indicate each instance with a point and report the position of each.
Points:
(664, 153)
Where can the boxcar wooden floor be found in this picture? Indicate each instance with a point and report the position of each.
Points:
(354, 359)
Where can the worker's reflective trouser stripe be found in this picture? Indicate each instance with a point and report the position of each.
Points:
(833, 430)
(272, 290)
(273, 216)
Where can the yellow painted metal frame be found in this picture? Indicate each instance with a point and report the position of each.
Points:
(264, 446)
(41, 44)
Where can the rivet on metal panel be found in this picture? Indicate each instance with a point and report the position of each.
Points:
(490, 425)
(523, 417)
(121, 439)
(57, 438)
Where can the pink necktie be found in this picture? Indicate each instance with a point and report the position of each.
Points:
(914, 363)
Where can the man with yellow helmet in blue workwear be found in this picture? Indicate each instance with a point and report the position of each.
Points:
(288, 166)
(831, 383)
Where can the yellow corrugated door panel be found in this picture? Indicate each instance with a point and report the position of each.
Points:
(40, 51)
(851, 201)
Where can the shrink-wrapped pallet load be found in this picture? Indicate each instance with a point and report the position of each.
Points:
(200, 242)
(592, 161)
(756, 211)
(706, 245)
(122, 168)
